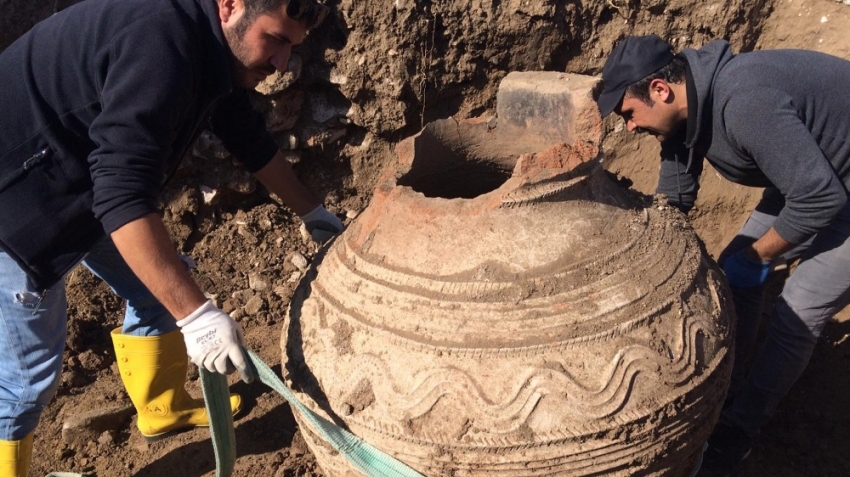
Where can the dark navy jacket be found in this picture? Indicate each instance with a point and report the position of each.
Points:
(774, 118)
(98, 104)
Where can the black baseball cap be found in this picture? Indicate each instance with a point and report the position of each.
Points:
(632, 60)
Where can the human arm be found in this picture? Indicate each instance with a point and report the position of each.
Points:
(750, 266)
(234, 121)
(678, 182)
(147, 102)
(763, 124)
(213, 340)
(146, 247)
(278, 177)
(769, 247)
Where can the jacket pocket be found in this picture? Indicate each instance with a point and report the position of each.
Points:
(15, 169)
(47, 224)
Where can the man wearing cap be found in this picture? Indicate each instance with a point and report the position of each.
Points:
(773, 119)
(99, 103)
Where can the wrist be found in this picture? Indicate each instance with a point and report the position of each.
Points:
(205, 308)
(753, 254)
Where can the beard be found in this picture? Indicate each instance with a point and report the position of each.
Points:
(243, 71)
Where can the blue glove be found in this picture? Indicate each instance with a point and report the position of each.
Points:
(744, 272)
(321, 224)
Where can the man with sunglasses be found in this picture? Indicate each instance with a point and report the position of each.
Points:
(99, 103)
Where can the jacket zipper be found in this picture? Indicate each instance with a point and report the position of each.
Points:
(41, 298)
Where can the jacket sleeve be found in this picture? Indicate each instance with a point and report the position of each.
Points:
(146, 87)
(242, 130)
(764, 125)
(678, 178)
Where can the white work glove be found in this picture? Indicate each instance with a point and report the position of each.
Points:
(214, 341)
(321, 224)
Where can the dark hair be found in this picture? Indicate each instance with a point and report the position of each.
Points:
(674, 72)
(253, 9)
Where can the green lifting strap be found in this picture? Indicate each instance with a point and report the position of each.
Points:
(367, 459)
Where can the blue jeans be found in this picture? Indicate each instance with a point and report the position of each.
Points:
(33, 330)
(812, 295)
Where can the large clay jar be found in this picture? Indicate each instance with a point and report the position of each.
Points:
(495, 312)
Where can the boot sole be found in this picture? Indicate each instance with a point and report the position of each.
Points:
(173, 432)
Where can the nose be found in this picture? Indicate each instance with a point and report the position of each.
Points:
(280, 60)
(630, 125)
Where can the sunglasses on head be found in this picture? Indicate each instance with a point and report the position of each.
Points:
(308, 11)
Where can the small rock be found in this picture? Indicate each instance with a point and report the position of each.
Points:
(351, 214)
(292, 157)
(289, 141)
(299, 261)
(249, 237)
(107, 438)
(238, 313)
(337, 78)
(213, 298)
(305, 235)
(90, 360)
(241, 297)
(294, 277)
(257, 282)
(277, 82)
(255, 306)
(326, 137)
(208, 193)
(282, 292)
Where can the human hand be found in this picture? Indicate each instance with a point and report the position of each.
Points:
(321, 224)
(744, 272)
(214, 342)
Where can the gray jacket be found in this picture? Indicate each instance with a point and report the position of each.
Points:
(777, 118)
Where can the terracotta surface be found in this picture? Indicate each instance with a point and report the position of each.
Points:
(543, 324)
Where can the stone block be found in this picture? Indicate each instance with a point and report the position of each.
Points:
(544, 108)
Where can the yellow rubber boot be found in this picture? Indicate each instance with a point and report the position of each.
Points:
(15, 457)
(153, 369)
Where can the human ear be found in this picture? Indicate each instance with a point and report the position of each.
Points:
(661, 90)
(229, 10)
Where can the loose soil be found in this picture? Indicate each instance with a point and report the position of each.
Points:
(429, 62)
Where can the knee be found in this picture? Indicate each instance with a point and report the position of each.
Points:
(792, 321)
(20, 413)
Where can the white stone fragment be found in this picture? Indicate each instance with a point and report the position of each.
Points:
(208, 193)
(300, 261)
(257, 283)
